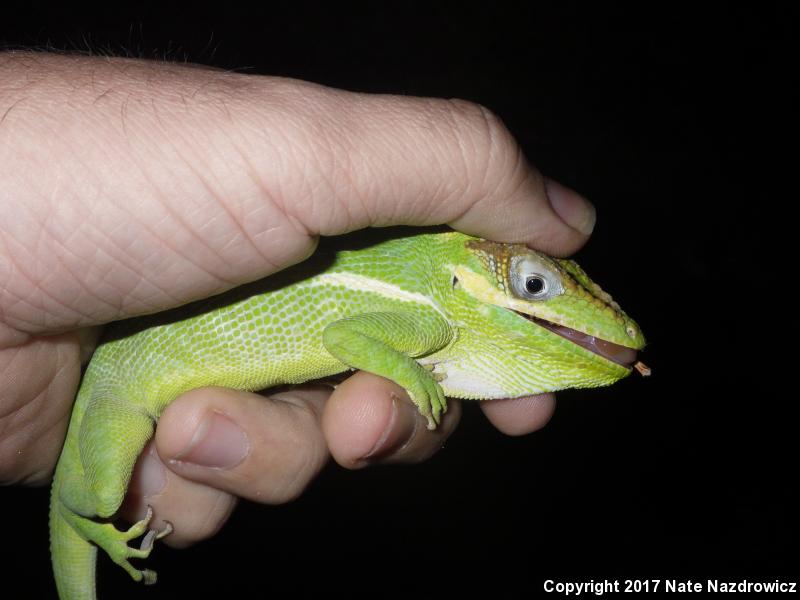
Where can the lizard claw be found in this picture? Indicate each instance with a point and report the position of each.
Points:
(438, 377)
(147, 541)
(149, 577)
(152, 535)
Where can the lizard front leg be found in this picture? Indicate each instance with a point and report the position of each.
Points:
(386, 343)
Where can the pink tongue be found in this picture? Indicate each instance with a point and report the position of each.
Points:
(614, 352)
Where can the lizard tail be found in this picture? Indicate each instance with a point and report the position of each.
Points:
(73, 557)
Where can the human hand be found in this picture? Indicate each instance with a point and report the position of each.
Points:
(130, 187)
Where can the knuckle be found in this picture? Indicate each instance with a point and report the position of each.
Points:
(490, 154)
(484, 128)
(302, 454)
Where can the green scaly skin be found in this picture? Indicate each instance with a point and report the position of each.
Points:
(439, 314)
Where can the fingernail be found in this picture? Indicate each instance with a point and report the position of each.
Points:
(399, 430)
(150, 476)
(575, 210)
(218, 443)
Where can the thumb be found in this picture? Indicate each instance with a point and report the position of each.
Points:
(213, 445)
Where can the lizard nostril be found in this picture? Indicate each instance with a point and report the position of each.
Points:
(631, 331)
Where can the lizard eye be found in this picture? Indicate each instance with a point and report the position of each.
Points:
(532, 278)
(535, 285)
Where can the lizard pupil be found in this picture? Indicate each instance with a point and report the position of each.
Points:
(534, 285)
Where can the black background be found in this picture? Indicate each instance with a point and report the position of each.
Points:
(675, 122)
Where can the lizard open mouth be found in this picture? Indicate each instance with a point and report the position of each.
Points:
(609, 350)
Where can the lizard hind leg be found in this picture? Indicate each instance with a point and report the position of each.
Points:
(89, 485)
(113, 433)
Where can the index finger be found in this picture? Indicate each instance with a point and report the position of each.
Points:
(378, 160)
(152, 185)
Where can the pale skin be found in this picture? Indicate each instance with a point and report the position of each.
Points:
(128, 187)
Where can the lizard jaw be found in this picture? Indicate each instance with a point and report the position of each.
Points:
(614, 352)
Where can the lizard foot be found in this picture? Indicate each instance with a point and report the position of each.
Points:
(115, 543)
(429, 400)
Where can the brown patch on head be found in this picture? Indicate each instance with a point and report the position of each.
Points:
(495, 257)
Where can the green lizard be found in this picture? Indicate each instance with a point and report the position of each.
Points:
(439, 314)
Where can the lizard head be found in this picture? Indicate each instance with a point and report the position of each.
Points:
(551, 313)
